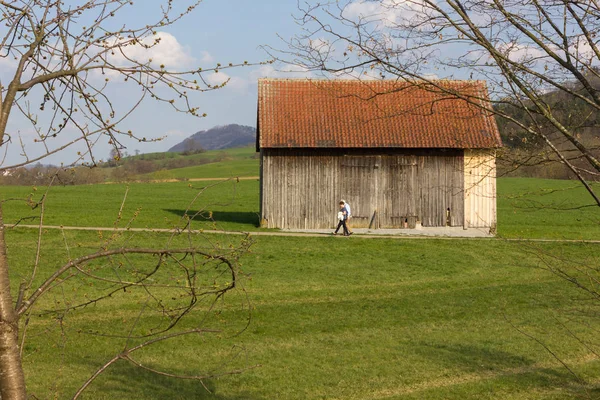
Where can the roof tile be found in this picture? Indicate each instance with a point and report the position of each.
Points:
(353, 114)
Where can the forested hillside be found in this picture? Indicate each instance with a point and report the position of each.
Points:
(528, 155)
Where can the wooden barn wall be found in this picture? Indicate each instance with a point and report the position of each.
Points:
(300, 189)
(480, 189)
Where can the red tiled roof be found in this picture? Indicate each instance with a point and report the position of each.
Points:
(341, 113)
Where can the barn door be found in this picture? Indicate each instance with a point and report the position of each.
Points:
(399, 192)
(359, 188)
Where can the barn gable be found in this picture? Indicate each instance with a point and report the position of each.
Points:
(399, 153)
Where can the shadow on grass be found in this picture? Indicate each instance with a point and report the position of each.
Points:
(243, 218)
(126, 381)
(511, 370)
(472, 358)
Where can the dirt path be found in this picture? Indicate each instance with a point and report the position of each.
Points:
(241, 178)
(171, 180)
(302, 234)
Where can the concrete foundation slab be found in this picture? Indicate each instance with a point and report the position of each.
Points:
(423, 231)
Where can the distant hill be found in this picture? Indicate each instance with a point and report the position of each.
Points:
(217, 138)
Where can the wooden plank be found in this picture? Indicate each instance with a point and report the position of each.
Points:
(301, 189)
(480, 188)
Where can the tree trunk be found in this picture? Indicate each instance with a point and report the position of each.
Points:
(12, 380)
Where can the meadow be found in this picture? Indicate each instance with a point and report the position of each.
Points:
(527, 208)
(237, 162)
(330, 318)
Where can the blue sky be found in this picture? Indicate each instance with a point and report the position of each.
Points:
(221, 31)
(218, 31)
(232, 31)
(224, 31)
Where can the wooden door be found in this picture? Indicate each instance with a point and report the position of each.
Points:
(399, 193)
(359, 187)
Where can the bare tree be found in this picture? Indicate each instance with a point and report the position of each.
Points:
(540, 58)
(63, 59)
(190, 146)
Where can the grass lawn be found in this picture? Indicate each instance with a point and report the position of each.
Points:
(234, 205)
(334, 319)
(331, 318)
(546, 208)
(527, 208)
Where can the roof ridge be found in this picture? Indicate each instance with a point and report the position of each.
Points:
(370, 80)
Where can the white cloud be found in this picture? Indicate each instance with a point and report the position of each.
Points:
(264, 71)
(384, 13)
(231, 82)
(367, 10)
(521, 52)
(320, 45)
(364, 75)
(431, 76)
(237, 83)
(582, 51)
(167, 51)
(206, 58)
(532, 54)
(286, 71)
(217, 78)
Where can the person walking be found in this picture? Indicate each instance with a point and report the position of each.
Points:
(349, 216)
(342, 216)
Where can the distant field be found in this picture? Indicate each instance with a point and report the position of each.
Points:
(227, 163)
(233, 168)
(236, 152)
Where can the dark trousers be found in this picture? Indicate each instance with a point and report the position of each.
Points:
(340, 224)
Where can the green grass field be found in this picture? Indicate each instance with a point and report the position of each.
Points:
(343, 319)
(237, 162)
(158, 205)
(234, 168)
(233, 153)
(330, 318)
(527, 208)
(544, 208)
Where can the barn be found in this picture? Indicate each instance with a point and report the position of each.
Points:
(402, 154)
